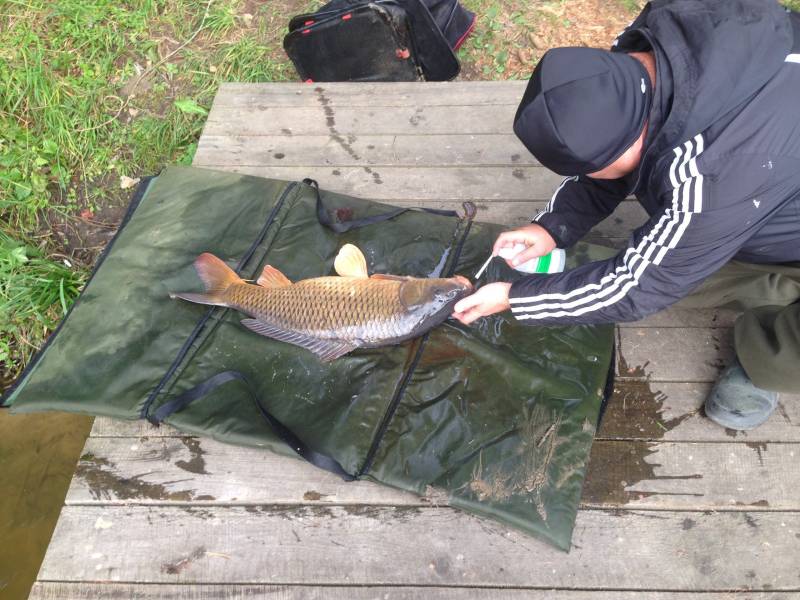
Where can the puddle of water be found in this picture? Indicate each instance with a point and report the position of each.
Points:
(38, 453)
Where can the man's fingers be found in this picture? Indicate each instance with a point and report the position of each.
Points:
(526, 255)
(508, 239)
(466, 304)
(469, 316)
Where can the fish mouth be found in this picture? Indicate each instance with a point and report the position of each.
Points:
(466, 283)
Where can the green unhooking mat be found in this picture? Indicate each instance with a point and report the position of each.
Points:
(497, 417)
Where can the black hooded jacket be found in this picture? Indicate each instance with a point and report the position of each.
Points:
(720, 172)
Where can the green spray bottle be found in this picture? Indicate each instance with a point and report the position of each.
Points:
(547, 264)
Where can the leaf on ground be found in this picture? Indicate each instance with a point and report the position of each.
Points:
(189, 106)
(127, 182)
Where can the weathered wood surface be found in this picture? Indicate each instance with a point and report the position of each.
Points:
(165, 591)
(675, 508)
(392, 545)
(246, 96)
(420, 183)
(676, 354)
(372, 150)
(653, 475)
(360, 120)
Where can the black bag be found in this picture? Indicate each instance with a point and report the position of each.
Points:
(381, 40)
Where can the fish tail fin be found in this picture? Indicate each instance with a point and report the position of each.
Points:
(216, 275)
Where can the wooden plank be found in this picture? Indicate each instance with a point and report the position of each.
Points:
(709, 318)
(693, 476)
(656, 411)
(419, 183)
(348, 121)
(324, 545)
(678, 355)
(203, 471)
(370, 95)
(627, 217)
(371, 150)
(652, 475)
(99, 591)
(639, 410)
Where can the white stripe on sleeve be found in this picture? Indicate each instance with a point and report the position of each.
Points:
(687, 199)
(549, 206)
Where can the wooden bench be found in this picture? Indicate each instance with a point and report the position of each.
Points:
(674, 507)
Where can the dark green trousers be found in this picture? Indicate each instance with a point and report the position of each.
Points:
(767, 334)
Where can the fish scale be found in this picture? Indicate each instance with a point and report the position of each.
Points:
(331, 316)
(365, 308)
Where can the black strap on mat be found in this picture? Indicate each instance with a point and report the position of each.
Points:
(198, 329)
(325, 217)
(317, 459)
(323, 461)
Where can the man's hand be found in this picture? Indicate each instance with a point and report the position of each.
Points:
(490, 299)
(534, 236)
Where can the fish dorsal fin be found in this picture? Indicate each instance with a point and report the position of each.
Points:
(272, 277)
(326, 350)
(350, 262)
(389, 277)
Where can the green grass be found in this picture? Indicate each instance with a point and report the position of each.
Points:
(94, 90)
(35, 292)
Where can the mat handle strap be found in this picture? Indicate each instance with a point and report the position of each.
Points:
(323, 461)
(325, 217)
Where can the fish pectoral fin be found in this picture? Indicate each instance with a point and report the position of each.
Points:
(350, 262)
(389, 277)
(272, 277)
(326, 350)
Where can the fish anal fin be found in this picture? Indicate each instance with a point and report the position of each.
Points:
(350, 262)
(326, 350)
(272, 277)
(389, 277)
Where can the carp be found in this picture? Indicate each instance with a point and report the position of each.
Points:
(331, 316)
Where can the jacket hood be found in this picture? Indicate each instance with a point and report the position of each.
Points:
(719, 53)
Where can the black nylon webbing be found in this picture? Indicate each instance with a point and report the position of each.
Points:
(199, 391)
(184, 350)
(325, 218)
(323, 461)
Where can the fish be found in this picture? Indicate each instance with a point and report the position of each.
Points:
(332, 315)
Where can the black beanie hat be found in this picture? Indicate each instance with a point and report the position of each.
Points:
(583, 108)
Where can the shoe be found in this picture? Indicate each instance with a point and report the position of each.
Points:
(736, 403)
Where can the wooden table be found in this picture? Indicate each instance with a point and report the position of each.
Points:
(673, 505)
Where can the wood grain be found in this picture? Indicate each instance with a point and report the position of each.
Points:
(622, 474)
(324, 545)
(104, 591)
(246, 96)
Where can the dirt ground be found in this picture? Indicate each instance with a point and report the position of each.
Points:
(508, 45)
